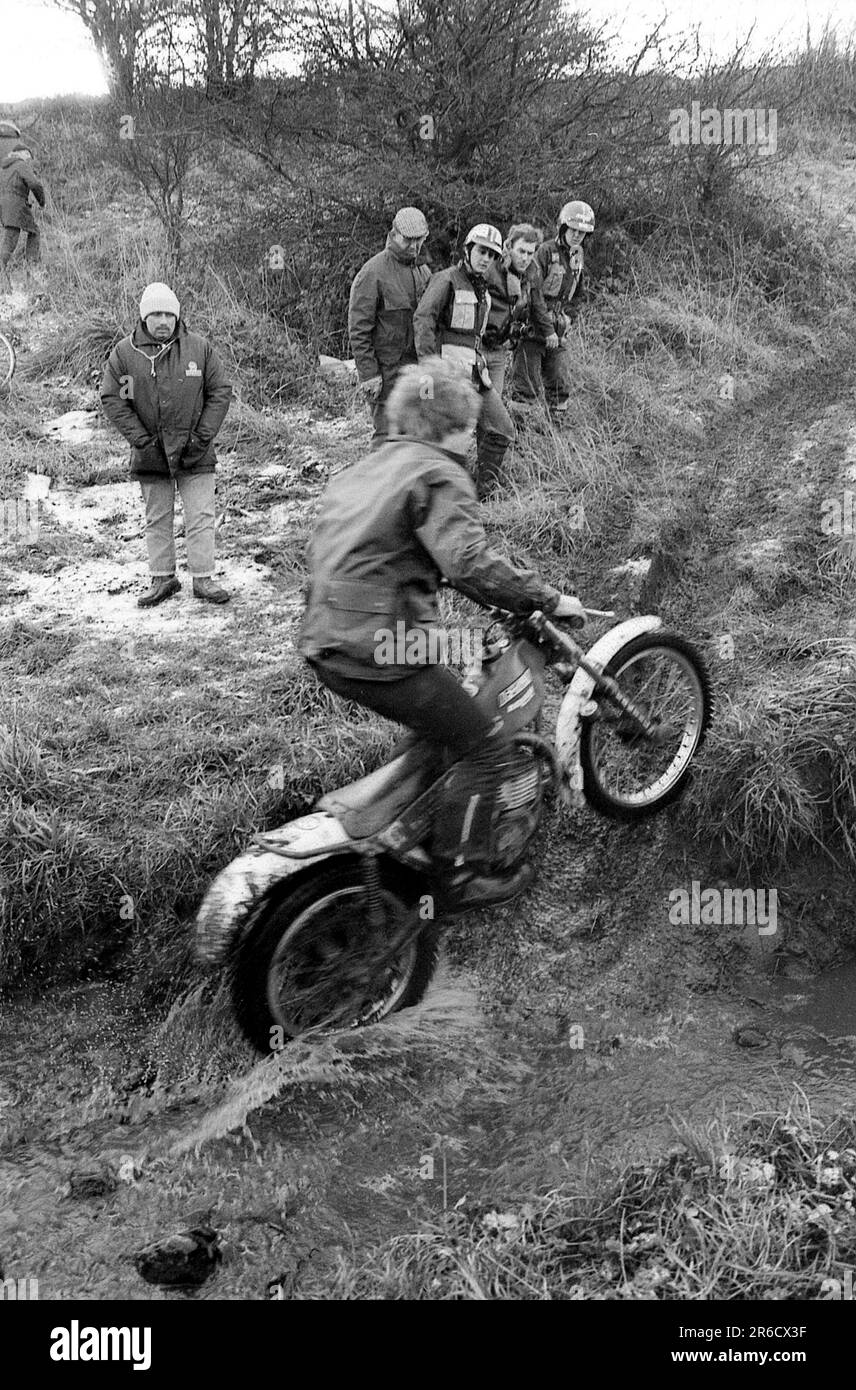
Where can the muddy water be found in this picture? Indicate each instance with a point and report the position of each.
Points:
(511, 1115)
(361, 1136)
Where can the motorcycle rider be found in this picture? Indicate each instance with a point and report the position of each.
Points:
(542, 362)
(388, 530)
(451, 320)
(384, 294)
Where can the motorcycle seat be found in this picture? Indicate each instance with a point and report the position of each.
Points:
(372, 803)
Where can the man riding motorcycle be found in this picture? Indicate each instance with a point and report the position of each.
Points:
(389, 529)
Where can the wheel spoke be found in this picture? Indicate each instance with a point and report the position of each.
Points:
(633, 767)
(333, 970)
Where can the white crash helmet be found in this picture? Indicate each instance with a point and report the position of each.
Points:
(576, 215)
(483, 234)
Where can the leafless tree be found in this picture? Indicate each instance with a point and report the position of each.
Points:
(117, 27)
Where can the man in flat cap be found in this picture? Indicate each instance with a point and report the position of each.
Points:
(165, 390)
(384, 295)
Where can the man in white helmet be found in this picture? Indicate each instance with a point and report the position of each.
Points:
(541, 363)
(384, 294)
(165, 390)
(451, 321)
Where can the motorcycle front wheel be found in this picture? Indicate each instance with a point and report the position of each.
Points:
(628, 774)
(311, 962)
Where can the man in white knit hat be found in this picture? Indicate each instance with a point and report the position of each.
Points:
(165, 390)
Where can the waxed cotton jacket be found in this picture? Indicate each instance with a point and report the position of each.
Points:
(388, 529)
(384, 294)
(561, 272)
(168, 401)
(17, 182)
(515, 300)
(452, 311)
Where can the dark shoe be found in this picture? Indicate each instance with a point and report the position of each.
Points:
(209, 592)
(466, 891)
(162, 587)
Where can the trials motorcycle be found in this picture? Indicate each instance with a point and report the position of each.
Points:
(328, 921)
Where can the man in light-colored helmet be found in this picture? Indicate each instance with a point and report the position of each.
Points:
(542, 366)
(451, 321)
(384, 294)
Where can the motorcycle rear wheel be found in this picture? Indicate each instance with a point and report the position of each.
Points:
(310, 962)
(626, 775)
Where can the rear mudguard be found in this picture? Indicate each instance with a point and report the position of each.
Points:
(243, 883)
(579, 694)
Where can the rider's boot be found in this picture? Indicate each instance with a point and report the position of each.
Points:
(464, 891)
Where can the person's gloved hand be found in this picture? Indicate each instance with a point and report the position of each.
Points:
(372, 387)
(553, 341)
(569, 606)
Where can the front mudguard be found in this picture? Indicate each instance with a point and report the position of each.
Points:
(242, 884)
(578, 697)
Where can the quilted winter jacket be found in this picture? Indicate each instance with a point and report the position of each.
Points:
(384, 294)
(17, 182)
(169, 402)
(388, 529)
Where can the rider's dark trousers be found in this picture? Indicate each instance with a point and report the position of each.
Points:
(432, 702)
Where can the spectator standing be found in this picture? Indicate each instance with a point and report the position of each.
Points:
(384, 295)
(542, 367)
(165, 390)
(18, 182)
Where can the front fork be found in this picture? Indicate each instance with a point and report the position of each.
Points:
(584, 675)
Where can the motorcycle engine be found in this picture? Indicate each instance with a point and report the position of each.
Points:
(517, 811)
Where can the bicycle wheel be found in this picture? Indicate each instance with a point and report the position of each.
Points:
(628, 774)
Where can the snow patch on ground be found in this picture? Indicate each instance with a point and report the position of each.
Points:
(102, 593)
(74, 427)
(635, 569)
